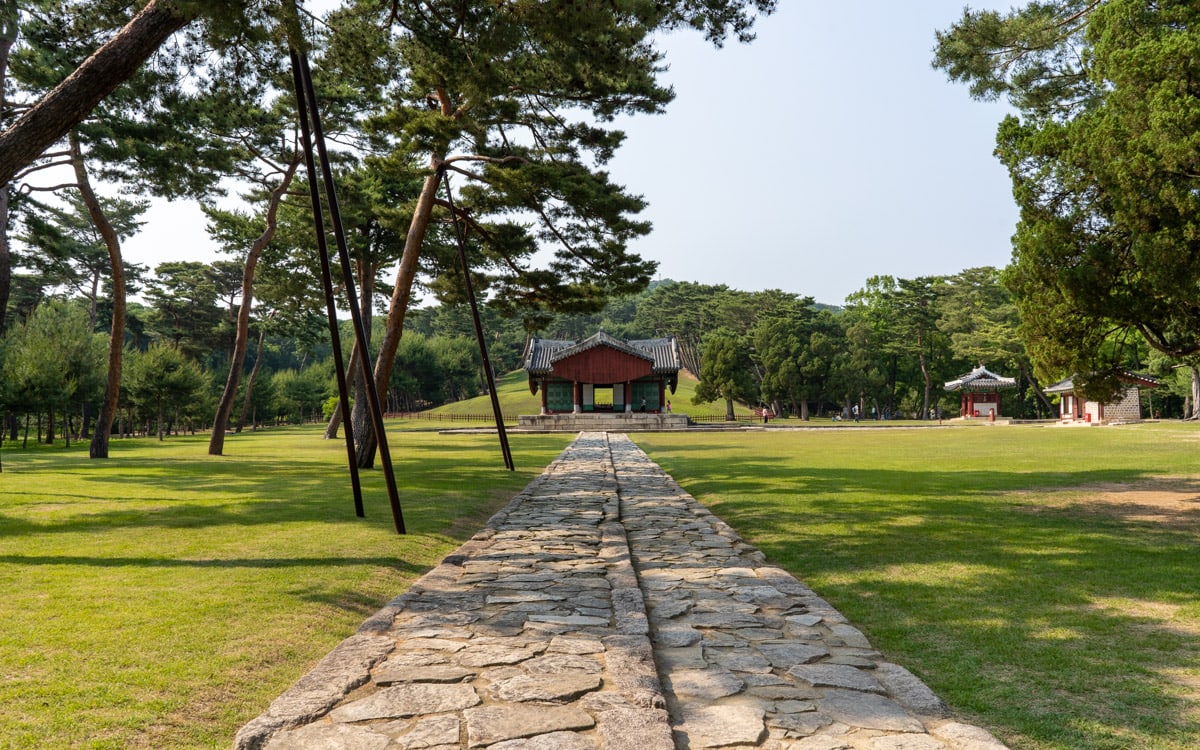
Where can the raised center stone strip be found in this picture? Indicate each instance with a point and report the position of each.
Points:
(751, 657)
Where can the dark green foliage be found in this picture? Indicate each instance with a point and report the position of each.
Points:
(1103, 160)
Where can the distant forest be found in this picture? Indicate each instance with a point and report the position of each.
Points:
(889, 350)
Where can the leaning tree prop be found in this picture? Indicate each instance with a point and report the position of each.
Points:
(314, 152)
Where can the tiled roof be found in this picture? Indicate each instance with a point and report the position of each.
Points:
(981, 379)
(1067, 385)
(662, 353)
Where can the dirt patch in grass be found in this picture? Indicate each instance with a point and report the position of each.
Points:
(1171, 501)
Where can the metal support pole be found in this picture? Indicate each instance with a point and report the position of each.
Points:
(330, 306)
(487, 365)
(360, 339)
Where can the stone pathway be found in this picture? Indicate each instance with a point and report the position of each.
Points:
(538, 634)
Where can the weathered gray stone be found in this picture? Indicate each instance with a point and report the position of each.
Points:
(553, 688)
(799, 725)
(631, 669)
(490, 655)
(562, 663)
(677, 636)
(743, 660)
(668, 609)
(788, 655)
(579, 621)
(850, 635)
(909, 691)
(836, 675)
(392, 675)
(722, 725)
(433, 644)
(731, 620)
(431, 732)
(705, 684)
(824, 742)
(575, 645)
(966, 737)
(488, 725)
(552, 741)
(868, 711)
(906, 742)
(635, 729)
(326, 737)
(407, 700)
(794, 706)
(806, 621)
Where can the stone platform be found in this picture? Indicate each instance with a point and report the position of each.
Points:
(602, 422)
(605, 609)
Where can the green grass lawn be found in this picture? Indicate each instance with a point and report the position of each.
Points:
(163, 597)
(1044, 581)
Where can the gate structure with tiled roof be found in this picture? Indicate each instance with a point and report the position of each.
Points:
(578, 376)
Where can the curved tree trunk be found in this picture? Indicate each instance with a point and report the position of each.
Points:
(56, 113)
(216, 442)
(262, 335)
(394, 326)
(116, 334)
(1037, 389)
(335, 419)
(9, 28)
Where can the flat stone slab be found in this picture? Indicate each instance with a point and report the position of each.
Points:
(488, 725)
(838, 676)
(868, 711)
(787, 655)
(546, 688)
(408, 700)
(431, 732)
(552, 741)
(705, 684)
(721, 726)
(326, 737)
(392, 675)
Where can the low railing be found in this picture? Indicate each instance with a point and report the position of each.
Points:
(433, 417)
(713, 418)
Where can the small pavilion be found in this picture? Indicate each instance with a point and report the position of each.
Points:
(1075, 408)
(602, 374)
(980, 392)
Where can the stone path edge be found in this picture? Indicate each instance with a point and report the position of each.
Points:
(348, 666)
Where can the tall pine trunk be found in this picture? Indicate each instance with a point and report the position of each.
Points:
(98, 448)
(401, 294)
(9, 29)
(216, 442)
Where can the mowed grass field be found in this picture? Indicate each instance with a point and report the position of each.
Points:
(164, 597)
(1045, 581)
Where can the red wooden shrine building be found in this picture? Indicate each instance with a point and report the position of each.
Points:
(980, 392)
(602, 374)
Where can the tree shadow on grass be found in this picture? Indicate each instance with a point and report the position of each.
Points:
(1052, 623)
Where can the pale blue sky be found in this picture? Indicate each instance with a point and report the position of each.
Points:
(825, 152)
